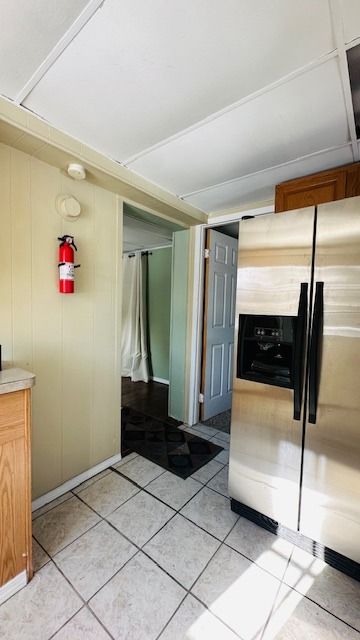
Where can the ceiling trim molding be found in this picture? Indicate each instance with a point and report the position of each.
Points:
(266, 170)
(338, 29)
(59, 48)
(352, 43)
(42, 141)
(235, 105)
(232, 215)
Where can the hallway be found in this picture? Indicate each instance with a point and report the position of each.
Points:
(149, 398)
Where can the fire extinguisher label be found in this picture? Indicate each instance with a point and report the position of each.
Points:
(66, 271)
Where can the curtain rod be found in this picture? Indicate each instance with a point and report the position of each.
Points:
(143, 253)
(164, 246)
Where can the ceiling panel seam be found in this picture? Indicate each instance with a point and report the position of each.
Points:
(266, 170)
(71, 33)
(352, 43)
(235, 105)
(338, 28)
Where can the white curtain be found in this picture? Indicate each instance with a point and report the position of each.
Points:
(134, 354)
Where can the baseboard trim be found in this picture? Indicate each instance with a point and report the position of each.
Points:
(331, 557)
(13, 586)
(74, 482)
(161, 380)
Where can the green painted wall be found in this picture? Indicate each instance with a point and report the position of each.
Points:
(159, 302)
(178, 327)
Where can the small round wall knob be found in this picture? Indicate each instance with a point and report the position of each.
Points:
(68, 207)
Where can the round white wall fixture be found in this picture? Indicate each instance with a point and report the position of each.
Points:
(76, 171)
(68, 207)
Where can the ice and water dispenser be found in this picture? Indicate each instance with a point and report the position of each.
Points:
(266, 349)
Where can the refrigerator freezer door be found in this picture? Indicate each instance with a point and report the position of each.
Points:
(274, 258)
(330, 504)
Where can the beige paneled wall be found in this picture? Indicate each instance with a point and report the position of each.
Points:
(70, 342)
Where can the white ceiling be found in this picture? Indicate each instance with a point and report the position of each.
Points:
(214, 100)
(29, 31)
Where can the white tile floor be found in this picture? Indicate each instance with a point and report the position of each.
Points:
(139, 554)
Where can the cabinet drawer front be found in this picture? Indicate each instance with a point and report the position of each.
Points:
(12, 416)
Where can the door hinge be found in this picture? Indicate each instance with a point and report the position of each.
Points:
(201, 398)
(206, 253)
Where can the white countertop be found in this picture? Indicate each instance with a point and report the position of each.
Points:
(15, 380)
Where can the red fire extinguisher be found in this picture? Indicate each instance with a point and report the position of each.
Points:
(66, 264)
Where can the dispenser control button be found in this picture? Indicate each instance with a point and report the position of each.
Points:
(267, 332)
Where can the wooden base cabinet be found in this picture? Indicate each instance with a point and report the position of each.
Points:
(15, 491)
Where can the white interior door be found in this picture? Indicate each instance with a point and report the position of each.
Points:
(219, 320)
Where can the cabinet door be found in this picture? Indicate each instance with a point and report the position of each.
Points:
(311, 190)
(13, 486)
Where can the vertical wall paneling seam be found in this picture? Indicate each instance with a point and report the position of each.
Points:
(61, 354)
(118, 314)
(31, 214)
(92, 266)
(11, 239)
(338, 30)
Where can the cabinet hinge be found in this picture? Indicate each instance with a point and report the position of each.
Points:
(201, 398)
(206, 253)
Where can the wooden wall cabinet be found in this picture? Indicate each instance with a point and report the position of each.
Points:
(326, 186)
(15, 485)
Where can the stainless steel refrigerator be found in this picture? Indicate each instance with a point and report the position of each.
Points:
(295, 430)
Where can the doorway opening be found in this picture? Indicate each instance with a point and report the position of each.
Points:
(154, 314)
(146, 312)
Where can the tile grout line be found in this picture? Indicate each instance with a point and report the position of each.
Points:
(176, 511)
(189, 592)
(34, 517)
(272, 610)
(139, 550)
(84, 607)
(104, 518)
(85, 603)
(70, 543)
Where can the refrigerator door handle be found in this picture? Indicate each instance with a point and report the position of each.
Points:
(299, 356)
(315, 351)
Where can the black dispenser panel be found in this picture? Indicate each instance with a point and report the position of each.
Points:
(266, 349)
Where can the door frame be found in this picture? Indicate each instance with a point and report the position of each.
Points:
(196, 305)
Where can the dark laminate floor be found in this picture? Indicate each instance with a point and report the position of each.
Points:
(149, 398)
(165, 444)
